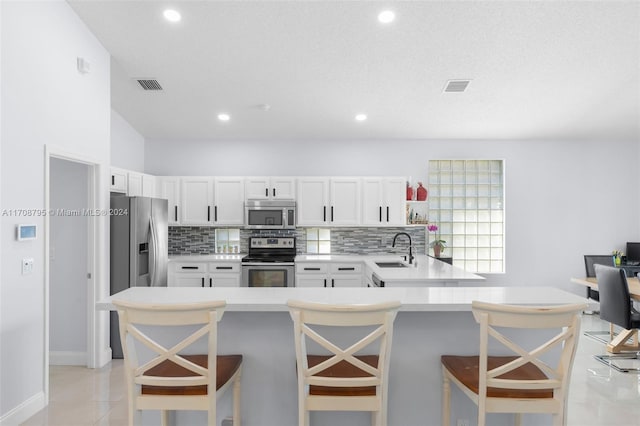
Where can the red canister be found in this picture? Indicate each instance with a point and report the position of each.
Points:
(421, 192)
(409, 192)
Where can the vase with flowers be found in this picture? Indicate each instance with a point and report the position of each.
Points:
(437, 244)
(617, 256)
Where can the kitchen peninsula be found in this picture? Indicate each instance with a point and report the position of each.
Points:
(432, 321)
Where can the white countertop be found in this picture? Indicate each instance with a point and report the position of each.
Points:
(427, 269)
(414, 299)
(206, 257)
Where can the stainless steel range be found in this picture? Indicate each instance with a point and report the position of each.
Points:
(270, 262)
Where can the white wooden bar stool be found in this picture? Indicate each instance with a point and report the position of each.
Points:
(523, 383)
(344, 380)
(168, 380)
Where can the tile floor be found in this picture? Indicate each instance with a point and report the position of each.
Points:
(599, 395)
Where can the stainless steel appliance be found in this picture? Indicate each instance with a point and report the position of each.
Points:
(139, 249)
(270, 214)
(270, 262)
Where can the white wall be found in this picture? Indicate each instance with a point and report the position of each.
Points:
(564, 199)
(68, 264)
(127, 145)
(44, 101)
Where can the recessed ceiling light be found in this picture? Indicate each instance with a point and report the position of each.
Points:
(386, 16)
(172, 15)
(361, 117)
(224, 117)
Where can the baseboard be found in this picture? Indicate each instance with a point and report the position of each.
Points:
(67, 358)
(104, 358)
(24, 411)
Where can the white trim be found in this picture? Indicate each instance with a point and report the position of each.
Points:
(25, 410)
(95, 168)
(67, 358)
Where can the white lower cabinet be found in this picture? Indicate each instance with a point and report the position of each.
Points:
(204, 274)
(314, 274)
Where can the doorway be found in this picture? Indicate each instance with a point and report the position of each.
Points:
(85, 343)
(68, 262)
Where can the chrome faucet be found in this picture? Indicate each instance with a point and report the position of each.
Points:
(410, 245)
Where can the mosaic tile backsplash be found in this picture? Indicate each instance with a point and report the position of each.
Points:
(201, 240)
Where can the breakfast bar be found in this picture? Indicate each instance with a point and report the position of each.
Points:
(432, 321)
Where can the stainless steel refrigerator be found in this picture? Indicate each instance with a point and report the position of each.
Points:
(139, 249)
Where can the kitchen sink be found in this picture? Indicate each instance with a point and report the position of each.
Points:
(391, 264)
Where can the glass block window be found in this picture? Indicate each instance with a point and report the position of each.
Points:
(318, 241)
(227, 240)
(466, 201)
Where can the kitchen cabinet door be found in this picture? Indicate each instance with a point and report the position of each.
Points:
(149, 186)
(313, 201)
(170, 191)
(383, 201)
(395, 193)
(283, 188)
(257, 188)
(270, 188)
(197, 200)
(311, 280)
(346, 280)
(119, 180)
(190, 280)
(345, 202)
(229, 201)
(134, 181)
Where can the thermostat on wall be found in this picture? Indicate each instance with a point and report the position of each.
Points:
(26, 232)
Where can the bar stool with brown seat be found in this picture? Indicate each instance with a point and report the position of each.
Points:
(523, 383)
(345, 379)
(168, 379)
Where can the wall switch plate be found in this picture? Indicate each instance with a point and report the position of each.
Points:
(27, 266)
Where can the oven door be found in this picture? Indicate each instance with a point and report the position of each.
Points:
(268, 274)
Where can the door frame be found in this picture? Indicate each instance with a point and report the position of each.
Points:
(94, 241)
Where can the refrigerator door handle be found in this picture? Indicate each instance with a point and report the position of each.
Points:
(153, 252)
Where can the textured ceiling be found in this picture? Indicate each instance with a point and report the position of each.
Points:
(539, 70)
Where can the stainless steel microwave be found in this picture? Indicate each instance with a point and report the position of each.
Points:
(270, 214)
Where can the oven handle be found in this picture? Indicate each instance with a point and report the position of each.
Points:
(267, 264)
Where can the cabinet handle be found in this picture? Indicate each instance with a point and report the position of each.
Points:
(331, 213)
(387, 213)
(175, 212)
(325, 283)
(346, 269)
(113, 180)
(266, 192)
(324, 213)
(274, 192)
(333, 282)
(380, 213)
(215, 213)
(210, 282)
(311, 269)
(208, 213)
(189, 267)
(202, 282)
(224, 267)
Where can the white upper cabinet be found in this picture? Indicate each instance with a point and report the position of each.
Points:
(328, 202)
(170, 191)
(134, 184)
(196, 201)
(383, 201)
(229, 201)
(119, 180)
(345, 202)
(270, 188)
(312, 201)
(149, 186)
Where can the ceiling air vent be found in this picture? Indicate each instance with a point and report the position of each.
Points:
(456, 86)
(149, 84)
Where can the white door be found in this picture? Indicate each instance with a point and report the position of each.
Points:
(283, 188)
(312, 201)
(257, 188)
(170, 190)
(229, 205)
(395, 192)
(345, 201)
(372, 207)
(197, 200)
